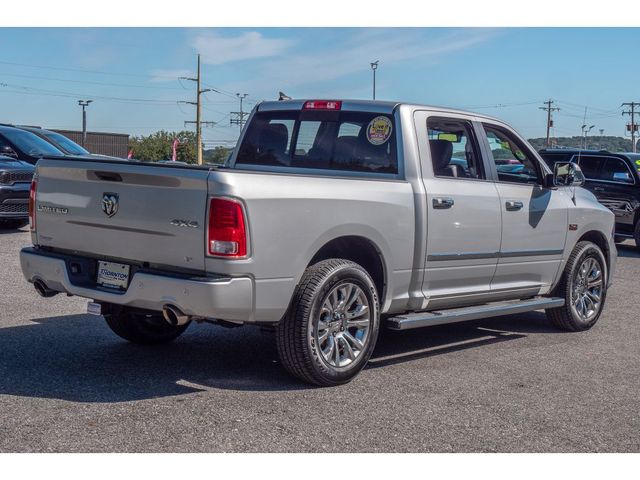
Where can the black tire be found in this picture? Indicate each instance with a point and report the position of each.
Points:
(144, 329)
(567, 317)
(297, 336)
(13, 224)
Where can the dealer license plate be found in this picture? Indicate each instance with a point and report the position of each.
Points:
(113, 275)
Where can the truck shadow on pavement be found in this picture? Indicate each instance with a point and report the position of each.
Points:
(628, 251)
(6, 231)
(77, 358)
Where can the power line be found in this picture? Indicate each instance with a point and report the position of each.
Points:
(88, 82)
(60, 93)
(251, 100)
(581, 107)
(116, 74)
(500, 105)
(80, 70)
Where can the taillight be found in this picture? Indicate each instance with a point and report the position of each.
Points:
(32, 203)
(323, 105)
(227, 229)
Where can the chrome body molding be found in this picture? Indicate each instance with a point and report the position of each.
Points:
(482, 255)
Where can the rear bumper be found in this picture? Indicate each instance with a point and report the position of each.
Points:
(229, 298)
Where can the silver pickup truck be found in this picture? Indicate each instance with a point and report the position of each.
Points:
(331, 220)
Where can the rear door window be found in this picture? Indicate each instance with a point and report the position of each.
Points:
(334, 140)
(616, 170)
(454, 150)
(590, 166)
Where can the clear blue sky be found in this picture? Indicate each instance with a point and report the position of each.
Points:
(132, 74)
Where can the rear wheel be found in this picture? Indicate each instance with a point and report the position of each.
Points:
(583, 287)
(331, 328)
(144, 329)
(13, 224)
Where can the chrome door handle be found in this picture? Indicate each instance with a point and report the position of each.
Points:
(598, 189)
(442, 202)
(513, 205)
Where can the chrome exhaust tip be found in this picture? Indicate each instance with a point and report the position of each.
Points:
(43, 290)
(174, 316)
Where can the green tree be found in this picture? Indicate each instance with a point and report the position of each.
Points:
(159, 145)
(217, 155)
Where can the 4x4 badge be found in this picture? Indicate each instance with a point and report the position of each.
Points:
(110, 203)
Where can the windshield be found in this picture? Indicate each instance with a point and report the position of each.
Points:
(30, 143)
(354, 141)
(65, 143)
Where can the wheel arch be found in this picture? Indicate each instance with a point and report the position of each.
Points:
(600, 240)
(360, 250)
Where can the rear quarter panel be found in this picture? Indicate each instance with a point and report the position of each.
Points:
(291, 216)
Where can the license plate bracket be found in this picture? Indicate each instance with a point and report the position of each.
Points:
(113, 275)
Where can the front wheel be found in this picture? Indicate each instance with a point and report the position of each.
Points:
(144, 329)
(583, 287)
(331, 328)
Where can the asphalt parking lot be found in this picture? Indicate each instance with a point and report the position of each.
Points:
(68, 384)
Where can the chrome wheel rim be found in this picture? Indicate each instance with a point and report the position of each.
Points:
(587, 289)
(342, 331)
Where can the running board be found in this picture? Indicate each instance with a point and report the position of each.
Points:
(453, 315)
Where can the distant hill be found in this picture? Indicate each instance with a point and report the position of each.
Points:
(612, 144)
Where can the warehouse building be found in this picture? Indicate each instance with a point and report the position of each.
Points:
(102, 143)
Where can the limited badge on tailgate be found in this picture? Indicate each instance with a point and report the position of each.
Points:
(113, 275)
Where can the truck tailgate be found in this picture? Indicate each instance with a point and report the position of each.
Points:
(127, 211)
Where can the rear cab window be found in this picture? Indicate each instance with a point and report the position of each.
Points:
(345, 141)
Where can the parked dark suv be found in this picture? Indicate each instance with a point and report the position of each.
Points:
(613, 178)
(15, 180)
(25, 146)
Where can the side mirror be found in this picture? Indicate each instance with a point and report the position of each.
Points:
(7, 151)
(567, 174)
(623, 177)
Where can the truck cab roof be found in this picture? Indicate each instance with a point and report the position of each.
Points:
(365, 106)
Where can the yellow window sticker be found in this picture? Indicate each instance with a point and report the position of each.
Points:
(379, 130)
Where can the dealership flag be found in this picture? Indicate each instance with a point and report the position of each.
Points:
(176, 142)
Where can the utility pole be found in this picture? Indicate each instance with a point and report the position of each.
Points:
(374, 67)
(634, 126)
(237, 118)
(84, 104)
(198, 104)
(548, 108)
